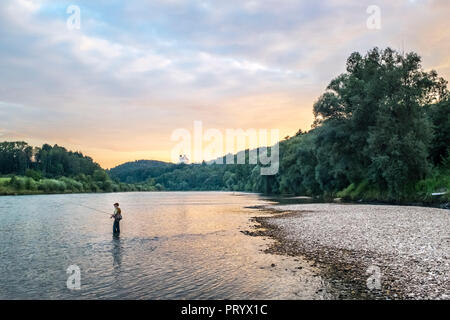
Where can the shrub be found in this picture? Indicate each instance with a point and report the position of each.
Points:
(17, 183)
(72, 185)
(346, 193)
(52, 185)
(107, 186)
(439, 181)
(30, 184)
(36, 175)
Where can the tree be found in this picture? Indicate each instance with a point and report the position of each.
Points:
(439, 115)
(373, 122)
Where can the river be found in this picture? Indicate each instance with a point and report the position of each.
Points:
(173, 245)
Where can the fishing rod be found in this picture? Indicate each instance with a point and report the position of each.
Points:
(82, 205)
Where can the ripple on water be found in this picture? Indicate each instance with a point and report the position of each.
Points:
(172, 246)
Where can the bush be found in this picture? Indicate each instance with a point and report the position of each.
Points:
(346, 193)
(116, 188)
(17, 183)
(36, 175)
(72, 185)
(94, 187)
(30, 184)
(124, 187)
(107, 186)
(100, 175)
(438, 182)
(362, 191)
(52, 185)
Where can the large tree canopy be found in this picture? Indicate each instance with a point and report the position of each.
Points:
(374, 123)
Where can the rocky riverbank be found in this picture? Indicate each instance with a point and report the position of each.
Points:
(406, 248)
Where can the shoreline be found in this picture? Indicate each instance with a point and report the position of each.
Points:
(438, 203)
(345, 258)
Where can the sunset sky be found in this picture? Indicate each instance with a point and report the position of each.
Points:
(135, 71)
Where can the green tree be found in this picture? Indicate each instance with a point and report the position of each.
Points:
(377, 112)
(439, 114)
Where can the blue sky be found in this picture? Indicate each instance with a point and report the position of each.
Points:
(138, 70)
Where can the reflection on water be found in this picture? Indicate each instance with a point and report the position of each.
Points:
(117, 252)
(180, 245)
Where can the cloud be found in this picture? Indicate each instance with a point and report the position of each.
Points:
(137, 70)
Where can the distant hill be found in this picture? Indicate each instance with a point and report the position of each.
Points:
(195, 176)
(140, 170)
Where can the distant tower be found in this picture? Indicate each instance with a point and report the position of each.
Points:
(183, 159)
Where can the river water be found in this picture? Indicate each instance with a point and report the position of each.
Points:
(173, 245)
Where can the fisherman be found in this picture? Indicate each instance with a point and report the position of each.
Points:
(117, 215)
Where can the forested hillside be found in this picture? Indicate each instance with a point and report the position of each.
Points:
(141, 170)
(53, 169)
(381, 132)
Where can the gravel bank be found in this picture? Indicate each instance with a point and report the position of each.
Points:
(409, 245)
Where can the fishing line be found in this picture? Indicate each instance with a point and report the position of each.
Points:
(82, 205)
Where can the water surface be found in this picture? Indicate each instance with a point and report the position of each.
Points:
(173, 245)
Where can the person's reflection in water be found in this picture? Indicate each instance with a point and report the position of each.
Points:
(117, 252)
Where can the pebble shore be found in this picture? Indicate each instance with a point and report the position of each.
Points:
(409, 246)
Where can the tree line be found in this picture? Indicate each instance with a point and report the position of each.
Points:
(381, 132)
(54, 169)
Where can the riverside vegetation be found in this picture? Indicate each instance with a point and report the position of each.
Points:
(28, 170)
(381, 133)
